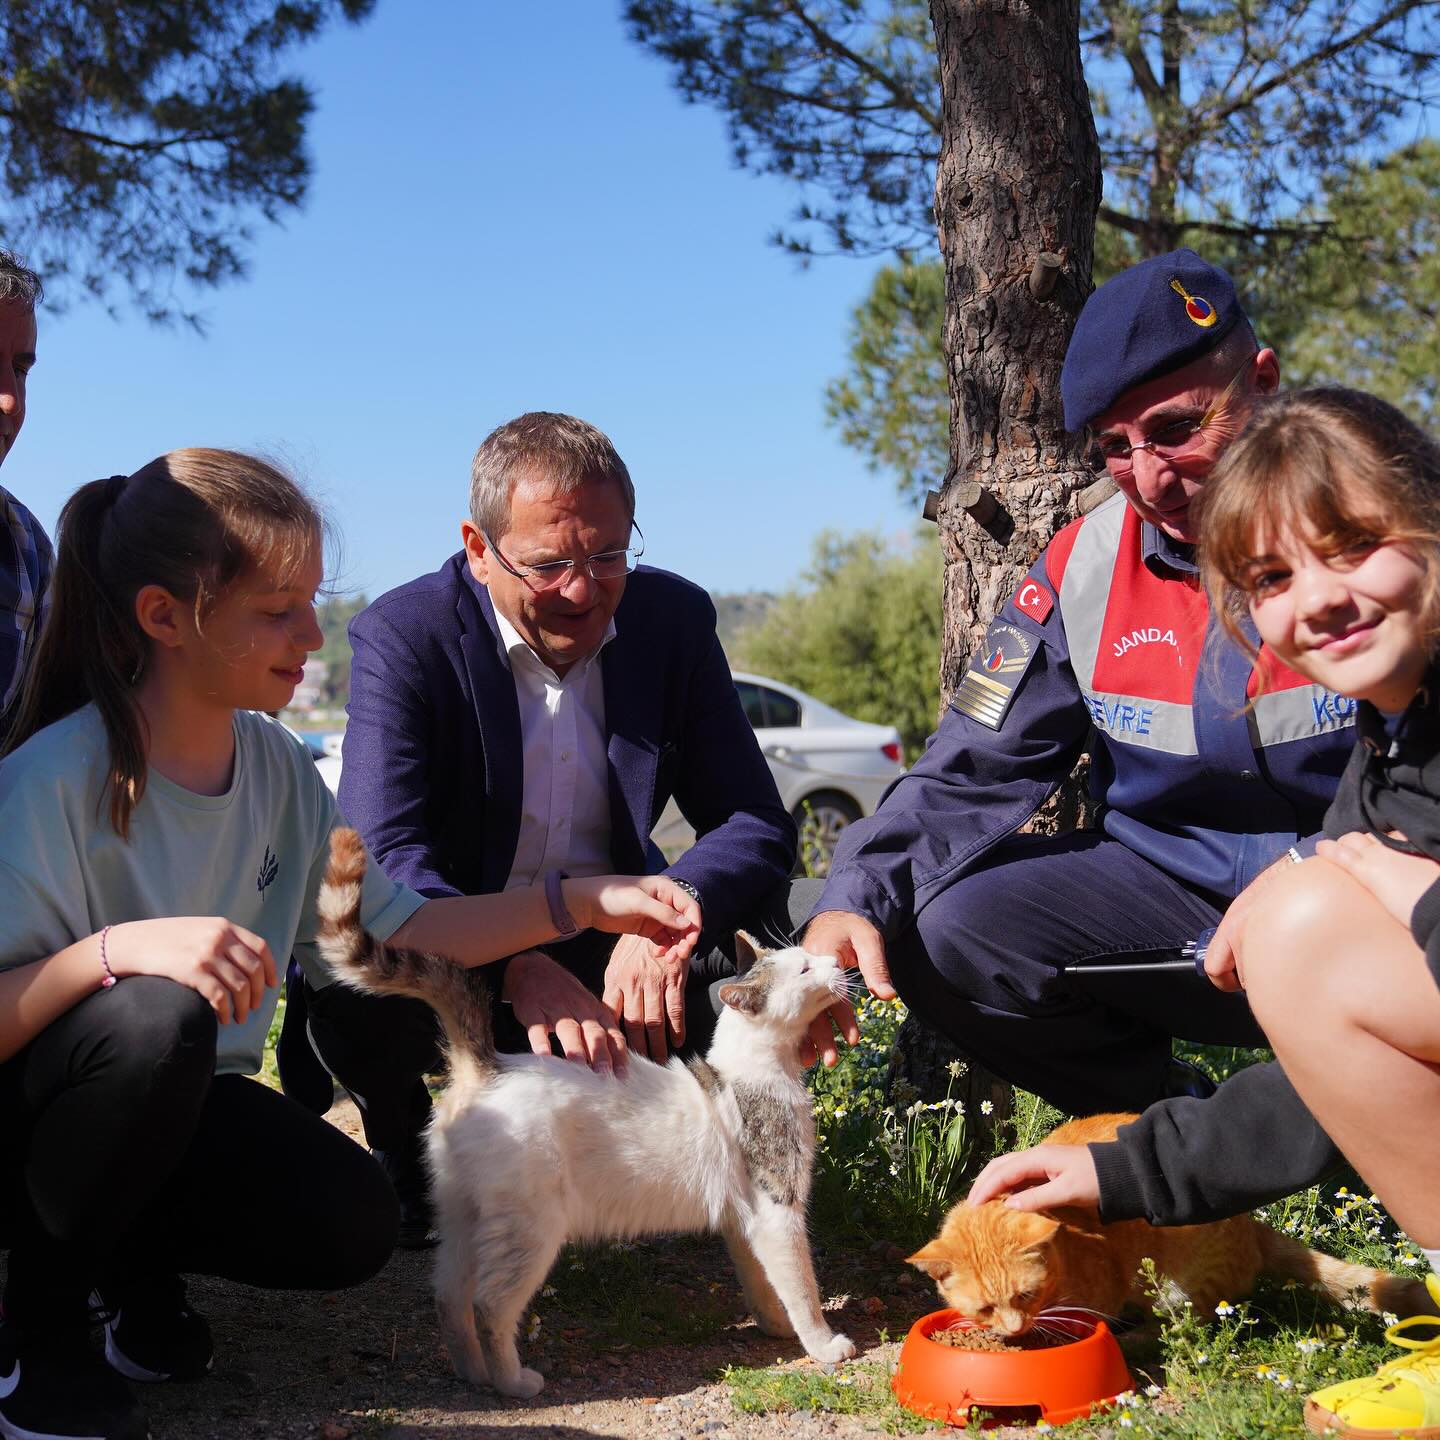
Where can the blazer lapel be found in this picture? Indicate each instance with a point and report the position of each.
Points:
(634, 713)
(497, 717)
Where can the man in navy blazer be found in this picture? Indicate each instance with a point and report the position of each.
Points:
(531, 706)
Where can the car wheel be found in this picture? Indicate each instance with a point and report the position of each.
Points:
(821, 817)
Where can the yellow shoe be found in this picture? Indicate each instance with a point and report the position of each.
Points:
(1401, 1401)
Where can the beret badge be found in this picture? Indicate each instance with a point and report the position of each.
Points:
(1200, 311)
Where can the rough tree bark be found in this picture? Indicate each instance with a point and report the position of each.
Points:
(1016, 194)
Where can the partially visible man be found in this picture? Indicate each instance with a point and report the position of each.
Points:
(25, 554)
(1002, 941)
(530, 708)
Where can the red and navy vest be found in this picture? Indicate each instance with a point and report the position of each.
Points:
(1199, 765)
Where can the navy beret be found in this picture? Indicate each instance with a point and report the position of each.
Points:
(1146, 321)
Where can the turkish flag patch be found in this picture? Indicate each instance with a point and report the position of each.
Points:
(1035, 600)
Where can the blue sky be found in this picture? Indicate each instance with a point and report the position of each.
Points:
(512, 209)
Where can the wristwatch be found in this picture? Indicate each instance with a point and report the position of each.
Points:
(560, 917)
(688, 888)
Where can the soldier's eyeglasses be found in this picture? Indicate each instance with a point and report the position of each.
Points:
(552, 574)
(1170, 442)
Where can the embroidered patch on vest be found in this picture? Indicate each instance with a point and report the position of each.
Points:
(1035, 600)
(996, 670)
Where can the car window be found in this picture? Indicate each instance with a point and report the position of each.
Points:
(780, 710)
(753, 705)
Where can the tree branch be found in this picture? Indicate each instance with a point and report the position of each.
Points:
(1140, 71)
(1137, 225)
(1248, 97)
(827, 42)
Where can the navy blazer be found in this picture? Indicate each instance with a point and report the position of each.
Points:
(432, 758)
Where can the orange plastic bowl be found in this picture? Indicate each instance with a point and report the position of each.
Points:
(1064, 1382)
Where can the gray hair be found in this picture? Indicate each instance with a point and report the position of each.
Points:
(554, 450)
(18, 282)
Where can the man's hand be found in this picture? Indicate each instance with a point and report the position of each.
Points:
(645, 987)
(652, 906)
(1395, 879)
(548, 999)
(855, 943)
(1043, 1178)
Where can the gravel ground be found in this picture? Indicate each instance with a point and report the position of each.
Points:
(367, 1364)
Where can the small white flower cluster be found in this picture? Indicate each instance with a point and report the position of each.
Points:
(1272, 1376)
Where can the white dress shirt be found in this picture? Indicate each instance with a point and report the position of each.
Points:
(565, 794)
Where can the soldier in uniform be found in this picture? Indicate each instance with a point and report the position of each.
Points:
(1001, 940)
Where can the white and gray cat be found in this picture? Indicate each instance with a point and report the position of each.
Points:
(528, 1153)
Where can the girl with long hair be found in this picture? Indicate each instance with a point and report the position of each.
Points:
(162, 841)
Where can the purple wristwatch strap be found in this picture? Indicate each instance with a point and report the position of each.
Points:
(560, 917)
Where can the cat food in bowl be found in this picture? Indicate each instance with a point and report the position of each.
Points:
(1063, 1379)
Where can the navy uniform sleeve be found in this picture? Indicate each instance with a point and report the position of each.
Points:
(1186, 1161)
(1011, 735)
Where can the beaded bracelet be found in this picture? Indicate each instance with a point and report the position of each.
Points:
(110, 976)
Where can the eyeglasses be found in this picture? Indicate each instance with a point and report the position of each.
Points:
(607, 565)
(1170, 442)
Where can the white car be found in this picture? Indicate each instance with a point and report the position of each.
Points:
(829, 768)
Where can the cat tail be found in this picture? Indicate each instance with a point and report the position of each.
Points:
(356, 958)
(1357, 1286)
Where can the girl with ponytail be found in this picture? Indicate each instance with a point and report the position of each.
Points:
(161, 844)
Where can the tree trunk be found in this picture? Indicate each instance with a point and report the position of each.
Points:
(1019, 175)
(1018, 179)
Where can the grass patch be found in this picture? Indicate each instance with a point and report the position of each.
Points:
(1243, 1375)
(859, 1389)
(888, 1168)
(642, 1296)
(269, 1070)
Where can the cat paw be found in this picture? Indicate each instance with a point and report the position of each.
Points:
(777, 1325)
(834, 1350)
(524, 1384)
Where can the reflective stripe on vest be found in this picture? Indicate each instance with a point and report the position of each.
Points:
(1165, 623)
(1084, 601)
(1298, 714)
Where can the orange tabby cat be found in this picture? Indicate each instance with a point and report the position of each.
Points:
(1005, 1267)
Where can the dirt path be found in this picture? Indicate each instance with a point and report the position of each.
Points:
(632, 1342)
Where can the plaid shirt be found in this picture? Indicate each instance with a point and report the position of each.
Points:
(25, 562)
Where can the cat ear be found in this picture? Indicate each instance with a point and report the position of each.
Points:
(1034, 1230)
(932, 1260)
(747, 951)
(742, 997)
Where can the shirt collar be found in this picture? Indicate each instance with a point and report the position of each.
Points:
(518, 648)
(1158, 548)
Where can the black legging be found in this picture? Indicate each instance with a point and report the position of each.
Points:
(125, 1155)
